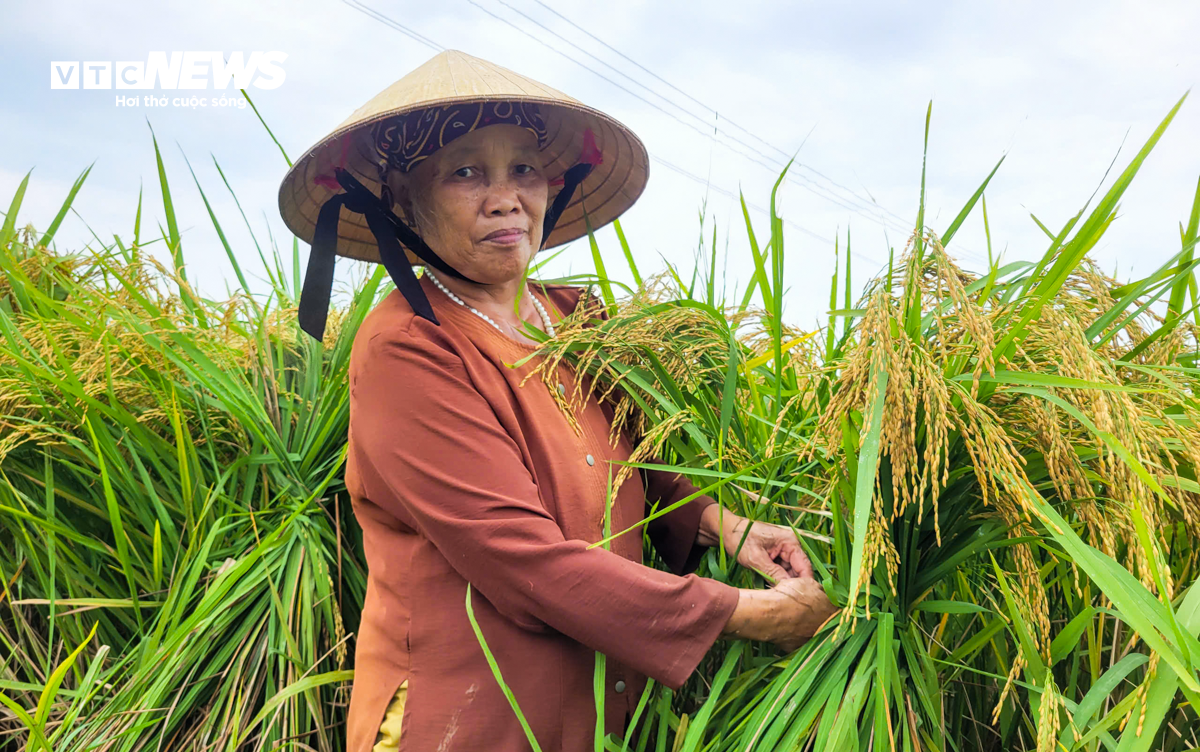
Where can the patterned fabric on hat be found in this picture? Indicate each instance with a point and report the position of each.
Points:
(403, 141)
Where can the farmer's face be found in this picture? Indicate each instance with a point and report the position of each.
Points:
(480, 201)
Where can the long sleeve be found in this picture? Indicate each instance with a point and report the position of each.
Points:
(674, 534)
(435, 453)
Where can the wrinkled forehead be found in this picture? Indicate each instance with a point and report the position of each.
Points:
(404, 141)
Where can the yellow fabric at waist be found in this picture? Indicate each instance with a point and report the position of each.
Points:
(388, 739)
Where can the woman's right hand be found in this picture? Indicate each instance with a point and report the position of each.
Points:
(787, 615)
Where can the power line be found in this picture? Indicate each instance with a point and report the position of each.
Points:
(897, 222)
(619, 72)
(394, 24)
(676, 118)
(823, 191)
(654, 75)
(871, 202)
(430, 43)
(662, 161)
(807, 183)
(421, 38)
(417, 36)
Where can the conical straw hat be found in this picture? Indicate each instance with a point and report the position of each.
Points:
(453, 77)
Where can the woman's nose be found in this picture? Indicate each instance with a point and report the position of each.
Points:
(502, 198)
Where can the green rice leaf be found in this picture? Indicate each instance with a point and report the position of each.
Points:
(868, 463)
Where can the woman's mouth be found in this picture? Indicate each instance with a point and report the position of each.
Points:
(507, 236)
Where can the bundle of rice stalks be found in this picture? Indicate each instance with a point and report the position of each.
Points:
(1004, 465)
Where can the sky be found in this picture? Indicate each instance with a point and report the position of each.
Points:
(721, 93)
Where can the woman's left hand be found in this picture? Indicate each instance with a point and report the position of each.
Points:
(772, 550)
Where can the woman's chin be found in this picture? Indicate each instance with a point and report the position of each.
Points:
(507, 248)
(505, 261)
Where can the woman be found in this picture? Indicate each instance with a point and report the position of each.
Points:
(458, 474)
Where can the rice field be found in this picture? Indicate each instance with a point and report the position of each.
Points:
(994, 473)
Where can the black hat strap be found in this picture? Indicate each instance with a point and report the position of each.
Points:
(389, 232)
(571, 180)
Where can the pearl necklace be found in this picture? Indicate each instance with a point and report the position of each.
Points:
(537, 304)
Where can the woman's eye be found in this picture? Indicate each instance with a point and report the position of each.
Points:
(464, 172)
(524, 169)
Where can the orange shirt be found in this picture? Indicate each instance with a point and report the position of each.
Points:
(458, 474)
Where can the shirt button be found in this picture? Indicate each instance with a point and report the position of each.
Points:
(591, 460)
(620, 687)
(562, 388)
